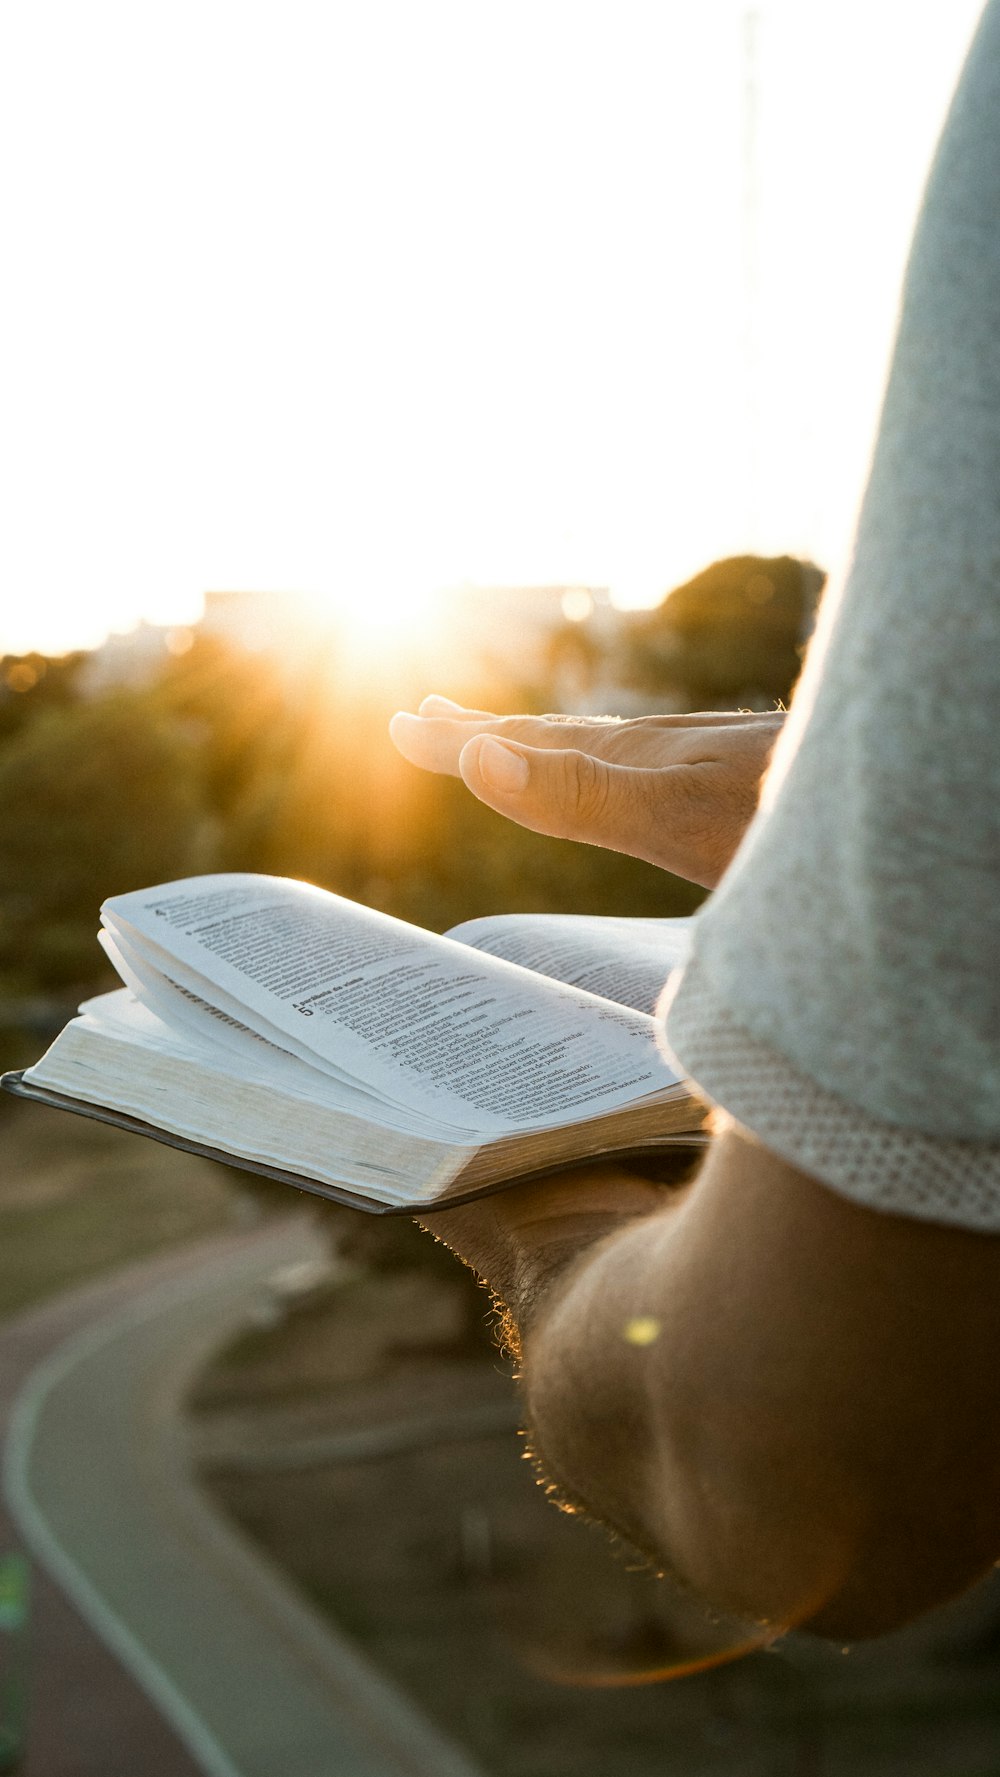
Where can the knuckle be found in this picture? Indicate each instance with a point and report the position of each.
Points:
(585, 788)
(526, 728)
(559, 732)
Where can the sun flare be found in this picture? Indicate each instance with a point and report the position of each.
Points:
(381, 626)
(382, 611)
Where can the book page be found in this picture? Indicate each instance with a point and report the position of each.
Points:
(208, 1028)
(445, 1031)
(626, 960)
(175, 991)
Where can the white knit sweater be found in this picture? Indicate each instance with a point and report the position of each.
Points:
(843, 999)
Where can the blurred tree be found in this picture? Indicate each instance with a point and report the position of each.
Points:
(239, 712)
(33, 683)
(98, 798)
(733, 635)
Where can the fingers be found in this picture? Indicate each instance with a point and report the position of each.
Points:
(433, 742)
(434, 739)
(436, 705)
(568, 794)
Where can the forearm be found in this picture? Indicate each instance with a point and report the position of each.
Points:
(634, 1407)
(632, 1421)
(763, 1388)
(587, 1353)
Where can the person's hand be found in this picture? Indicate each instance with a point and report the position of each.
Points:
(678, 791)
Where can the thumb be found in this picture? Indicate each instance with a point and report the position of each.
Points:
(567, 794)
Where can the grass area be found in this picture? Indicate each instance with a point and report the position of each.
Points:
(78, 1198)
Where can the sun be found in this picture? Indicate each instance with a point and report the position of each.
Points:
(381, 622)
(379, 609)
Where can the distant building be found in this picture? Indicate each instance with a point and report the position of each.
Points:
(279, 624)
(129, 662)
(548, 634)
(259, 622)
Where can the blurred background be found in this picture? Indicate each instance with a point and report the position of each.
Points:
(256, 739)
(530, 356)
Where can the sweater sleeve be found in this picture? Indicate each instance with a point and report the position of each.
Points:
(843, 997)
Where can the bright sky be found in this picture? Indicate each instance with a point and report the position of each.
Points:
(366, 297)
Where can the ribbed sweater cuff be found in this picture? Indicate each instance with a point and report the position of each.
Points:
(880, 1165)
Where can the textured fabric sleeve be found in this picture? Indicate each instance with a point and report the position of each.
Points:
(849, 963)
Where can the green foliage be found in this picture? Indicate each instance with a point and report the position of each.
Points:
(239, 713)
(98, 798)
(31, 683)
(732, 636)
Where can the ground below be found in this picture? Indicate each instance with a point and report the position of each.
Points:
(365, 1435)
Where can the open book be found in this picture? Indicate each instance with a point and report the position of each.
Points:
(301, 1035)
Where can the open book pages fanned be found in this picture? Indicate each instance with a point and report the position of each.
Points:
(296, 1033)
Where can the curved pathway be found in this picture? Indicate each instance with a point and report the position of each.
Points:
(252, 1682)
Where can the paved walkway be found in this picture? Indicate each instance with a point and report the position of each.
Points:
(251, 1681)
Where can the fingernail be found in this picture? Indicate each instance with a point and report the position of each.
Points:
(435, 700)
(502, 768)
(402, 722)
